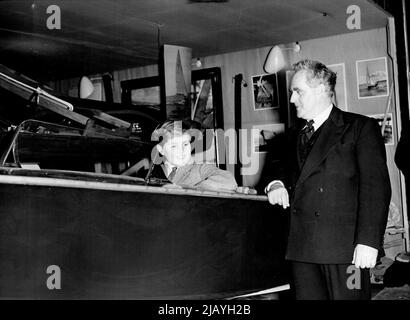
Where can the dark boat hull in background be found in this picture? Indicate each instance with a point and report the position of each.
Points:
(127, 241)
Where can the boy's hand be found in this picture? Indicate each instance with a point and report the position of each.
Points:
(246, 190)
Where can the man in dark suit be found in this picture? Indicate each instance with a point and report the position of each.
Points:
(337, 186)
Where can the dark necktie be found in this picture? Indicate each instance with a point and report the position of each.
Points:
(307, 133)
(172, 174)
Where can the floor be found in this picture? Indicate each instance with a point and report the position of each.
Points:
(379, 292)
(376, 289)
(398, 293)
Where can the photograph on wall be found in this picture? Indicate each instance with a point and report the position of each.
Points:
(265, 91)
(264, 133)
(372, 78)
(202, 110)
(388, 128)
(340, 97)
(203, 114)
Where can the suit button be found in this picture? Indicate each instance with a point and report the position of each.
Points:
(294, 211)
(320, 190)
(317, 213)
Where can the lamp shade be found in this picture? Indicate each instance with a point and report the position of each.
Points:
(86, 87)
(274, 61)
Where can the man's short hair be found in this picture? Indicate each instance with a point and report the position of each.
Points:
(168, 130)
(317, 73)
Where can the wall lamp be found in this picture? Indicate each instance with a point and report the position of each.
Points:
(275, 61)
(197, 63)
(86, 87)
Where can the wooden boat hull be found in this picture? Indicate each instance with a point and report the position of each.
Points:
(114, 241)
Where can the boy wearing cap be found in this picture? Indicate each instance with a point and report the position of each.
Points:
(179, 166)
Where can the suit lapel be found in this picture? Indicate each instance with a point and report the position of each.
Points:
(332, 131)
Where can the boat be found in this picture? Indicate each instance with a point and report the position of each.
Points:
(73, 227)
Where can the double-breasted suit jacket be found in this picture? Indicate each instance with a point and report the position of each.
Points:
(340, 197)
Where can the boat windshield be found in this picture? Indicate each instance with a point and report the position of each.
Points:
(39, 145)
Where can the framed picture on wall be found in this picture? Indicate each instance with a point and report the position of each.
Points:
(340, 98)
(142, 92)
(207, 111)
(372, 78)
(263, 134)
(265, 92)
(388, 135)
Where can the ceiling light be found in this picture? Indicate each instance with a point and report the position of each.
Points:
(198, 63)
(86, 87)
(275, 61)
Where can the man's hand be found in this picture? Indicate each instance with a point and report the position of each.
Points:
(278, 194)
(364, 256)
